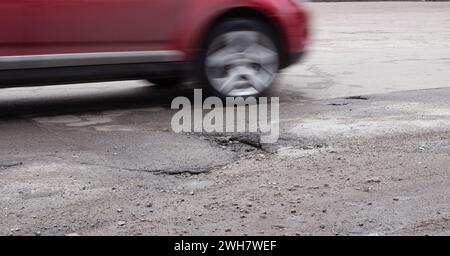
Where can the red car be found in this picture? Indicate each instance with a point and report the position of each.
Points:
(234, 47)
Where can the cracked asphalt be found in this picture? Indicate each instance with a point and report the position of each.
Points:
(364, 147)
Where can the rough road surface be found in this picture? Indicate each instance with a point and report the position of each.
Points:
(101, 159)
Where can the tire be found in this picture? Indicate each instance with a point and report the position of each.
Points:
(166, 82)
(240, 58)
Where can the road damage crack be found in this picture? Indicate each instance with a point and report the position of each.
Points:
(192, 171)
(7, 165)
(356, 98)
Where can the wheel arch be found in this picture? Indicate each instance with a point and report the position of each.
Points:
(249, 13)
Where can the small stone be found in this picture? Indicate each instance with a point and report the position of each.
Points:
(322, 226)
(244, 211)
(121, 223)
(148, 205)
(293, 211)
(119, 210)
(73, 234)
(228, 230)
(396, 199)
(38, 233)
(191, 193)
(373, 180)
(189, 218)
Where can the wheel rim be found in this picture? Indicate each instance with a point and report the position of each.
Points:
(241, 63)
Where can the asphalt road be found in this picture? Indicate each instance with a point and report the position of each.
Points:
(100, 159)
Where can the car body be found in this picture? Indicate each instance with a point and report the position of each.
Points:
(65, 41)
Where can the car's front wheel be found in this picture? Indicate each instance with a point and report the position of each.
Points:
(241, 58)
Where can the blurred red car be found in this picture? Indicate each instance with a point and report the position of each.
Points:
(235, 47)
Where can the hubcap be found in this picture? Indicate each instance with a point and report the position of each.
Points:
(241, 63)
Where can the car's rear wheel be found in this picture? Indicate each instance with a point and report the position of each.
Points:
(241, 58)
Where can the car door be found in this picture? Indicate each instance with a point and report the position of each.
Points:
(78, 26)
(19, 20)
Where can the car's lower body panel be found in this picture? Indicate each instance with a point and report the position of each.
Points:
(93, 73)
(30, 70)
(87, 59)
